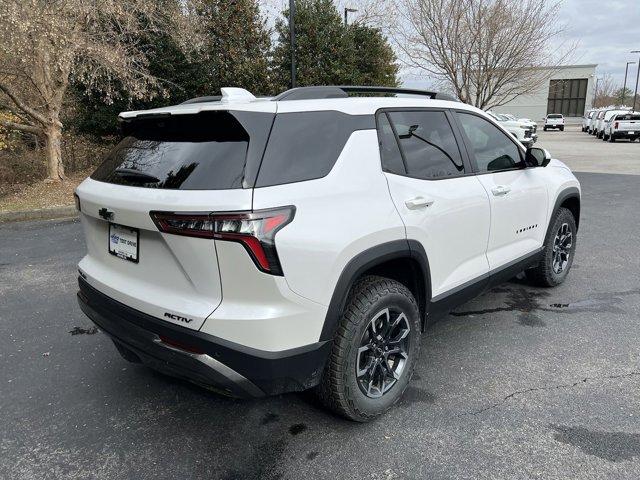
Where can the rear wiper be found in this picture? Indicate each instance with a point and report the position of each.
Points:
(135, 175)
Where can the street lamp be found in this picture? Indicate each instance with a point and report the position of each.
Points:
(624, 88)
(292, 35)
(635, 93)
(346, 13)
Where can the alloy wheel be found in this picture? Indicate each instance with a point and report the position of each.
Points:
(383, 352)
(562, 248)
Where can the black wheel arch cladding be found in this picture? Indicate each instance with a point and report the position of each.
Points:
(368, 260)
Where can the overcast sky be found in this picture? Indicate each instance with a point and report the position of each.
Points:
(605, 31)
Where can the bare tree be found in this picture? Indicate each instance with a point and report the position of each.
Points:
(45, 44)
(488, 51)
(605, 91)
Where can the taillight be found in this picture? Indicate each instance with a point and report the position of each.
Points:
(615, 125)
(255, 230)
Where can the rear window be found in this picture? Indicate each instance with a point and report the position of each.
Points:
(305, 145)
(628, 116)
(553, 115)
(208, 151)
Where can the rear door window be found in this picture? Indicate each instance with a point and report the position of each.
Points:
(428, 144)
(206, 151)
(306, 145)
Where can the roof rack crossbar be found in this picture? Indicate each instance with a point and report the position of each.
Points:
(343, 91)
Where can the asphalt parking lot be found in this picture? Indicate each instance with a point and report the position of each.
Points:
(520, 383)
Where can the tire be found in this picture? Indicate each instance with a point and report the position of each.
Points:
(544, 128)
(562, 129)
(345, 391)
(546, 273)
(612, 139)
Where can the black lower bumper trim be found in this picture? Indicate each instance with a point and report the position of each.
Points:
(213, 362)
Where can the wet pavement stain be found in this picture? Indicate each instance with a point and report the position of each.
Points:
(297, 429)
(266, 463)
(269, 418)
(312, 455)
(611, 446)
(527, 301)
(528, 319)
(413, 395)
(84, 331)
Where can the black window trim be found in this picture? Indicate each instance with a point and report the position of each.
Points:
(466, 161)
(469, 147)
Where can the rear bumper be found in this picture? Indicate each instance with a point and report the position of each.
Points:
(626, 134)
(229, 368)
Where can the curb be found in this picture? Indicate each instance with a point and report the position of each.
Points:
(39, 214)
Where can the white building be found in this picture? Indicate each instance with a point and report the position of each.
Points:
(569, 91)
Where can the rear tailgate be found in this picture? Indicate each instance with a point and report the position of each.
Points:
(628, 125)
(175, 277)
(191, 161)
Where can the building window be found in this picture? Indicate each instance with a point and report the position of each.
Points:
(567, 97)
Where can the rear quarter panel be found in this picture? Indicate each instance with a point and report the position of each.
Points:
(337, 217)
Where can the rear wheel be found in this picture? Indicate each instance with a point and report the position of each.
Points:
(374, 351)
(559, 250)
(611, 139)
(562, 129)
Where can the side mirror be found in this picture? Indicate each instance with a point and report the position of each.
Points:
(537, 157)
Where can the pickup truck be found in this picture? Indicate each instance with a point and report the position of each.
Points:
(554, 120)
(523, 131)
(623, 125)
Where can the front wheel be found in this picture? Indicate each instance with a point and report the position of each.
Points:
(374, 351)
(562, 129)
(559, 250)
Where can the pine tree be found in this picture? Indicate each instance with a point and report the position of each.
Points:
(330, 53)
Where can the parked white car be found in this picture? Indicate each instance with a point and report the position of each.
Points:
(527, 122)
(554, 121)
(623, 125)
(605, 118)
(587, 119)
(264, 246)
(521, 130)
(596, 120)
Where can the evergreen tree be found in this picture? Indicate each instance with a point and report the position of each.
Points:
(235, 52)
(330, 53)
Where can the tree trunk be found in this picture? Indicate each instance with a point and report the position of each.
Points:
(55, 169)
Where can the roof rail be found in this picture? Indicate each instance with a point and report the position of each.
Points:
(343, 91)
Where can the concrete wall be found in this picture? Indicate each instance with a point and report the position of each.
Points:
(534, 104)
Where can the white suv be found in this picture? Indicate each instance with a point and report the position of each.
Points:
(263, 246)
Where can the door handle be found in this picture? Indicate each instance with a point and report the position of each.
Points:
(418, 202)
(500, 190)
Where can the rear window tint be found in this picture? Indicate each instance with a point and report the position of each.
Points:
(206, 151)
(628, 116)
(305, 145)
(554, 116)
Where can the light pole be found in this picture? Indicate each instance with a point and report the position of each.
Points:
(635, 93)
(346, 14)
(624, 88)
(292, 36)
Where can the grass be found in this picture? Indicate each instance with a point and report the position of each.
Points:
(43, 194)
